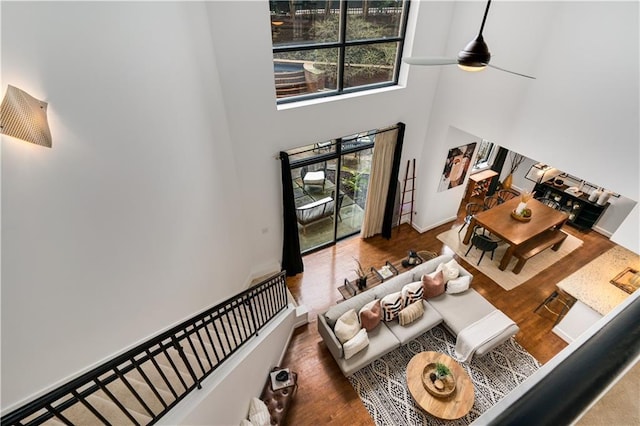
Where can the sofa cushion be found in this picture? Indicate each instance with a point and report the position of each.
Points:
(432, 287)
(347, 326)
(412, 292)
(406, 333)
(458, 285)
(355, 344)
(392, 285)
(461, 309)
(259, 413)
(450, 270)
(371, 315)
(356, 302)
(391, 305)
(411, 313)
(381, 342)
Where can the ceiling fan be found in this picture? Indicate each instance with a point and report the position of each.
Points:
(474, 57)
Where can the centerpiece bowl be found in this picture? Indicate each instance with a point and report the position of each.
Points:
(440, 388)
(520, 218)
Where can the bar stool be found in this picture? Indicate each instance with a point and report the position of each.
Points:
(563, 299)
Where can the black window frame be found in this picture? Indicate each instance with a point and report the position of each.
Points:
(342, 44)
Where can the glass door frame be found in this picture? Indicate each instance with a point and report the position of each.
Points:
(336, 152)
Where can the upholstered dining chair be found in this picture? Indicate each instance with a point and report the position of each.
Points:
(483, 243)
(506, 195)
(470, 209)
(314, 175)
(491, 201)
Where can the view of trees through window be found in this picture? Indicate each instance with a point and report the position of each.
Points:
(325, 48)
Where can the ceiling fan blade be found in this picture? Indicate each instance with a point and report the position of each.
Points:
(512, 72)
(430, 61)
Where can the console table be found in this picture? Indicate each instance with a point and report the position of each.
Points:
(374, 278)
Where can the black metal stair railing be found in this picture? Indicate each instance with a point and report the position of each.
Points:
(141, 385)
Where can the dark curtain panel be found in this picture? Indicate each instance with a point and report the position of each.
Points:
(387, 224)
(291, 258)
(497, 165)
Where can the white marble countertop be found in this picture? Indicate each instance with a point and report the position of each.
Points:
(591, 284)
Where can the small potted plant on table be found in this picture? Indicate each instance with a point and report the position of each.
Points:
(362, 275)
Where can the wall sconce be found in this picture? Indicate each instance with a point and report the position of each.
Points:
(539, 171)
(24, 117)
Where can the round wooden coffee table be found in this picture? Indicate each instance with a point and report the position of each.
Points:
(453, 407)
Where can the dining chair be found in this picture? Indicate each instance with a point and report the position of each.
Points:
(550, 202)
(564, 301)
(470, 209)
(483, 243)
(506, 195)
(491, 201)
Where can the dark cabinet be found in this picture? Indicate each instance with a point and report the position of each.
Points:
(583, 214)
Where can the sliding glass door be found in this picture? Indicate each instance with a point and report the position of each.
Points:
(330, 181)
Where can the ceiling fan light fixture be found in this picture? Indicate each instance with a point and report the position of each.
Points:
(471, 68)
(475, 53)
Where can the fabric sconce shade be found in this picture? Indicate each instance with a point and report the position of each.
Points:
(24, 117)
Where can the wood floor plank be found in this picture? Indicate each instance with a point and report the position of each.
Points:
(324, 395)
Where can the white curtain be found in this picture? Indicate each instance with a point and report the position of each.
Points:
(381, 167)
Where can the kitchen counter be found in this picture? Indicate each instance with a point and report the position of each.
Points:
(591, 284)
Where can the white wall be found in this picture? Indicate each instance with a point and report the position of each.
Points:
(131, 221)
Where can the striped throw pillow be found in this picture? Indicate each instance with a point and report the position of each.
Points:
(391, 305)
(411, 313)
(412, 292)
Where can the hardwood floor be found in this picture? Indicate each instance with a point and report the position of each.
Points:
(324, 395)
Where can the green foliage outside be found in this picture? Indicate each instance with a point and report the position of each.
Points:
(360, 61)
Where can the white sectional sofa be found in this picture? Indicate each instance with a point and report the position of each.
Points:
(457, 312)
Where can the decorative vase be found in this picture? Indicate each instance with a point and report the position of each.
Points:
(508, 181)
(595, 195)
(362, 283)
(520, 208)
(603, 198)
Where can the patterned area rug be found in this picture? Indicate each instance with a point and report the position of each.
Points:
(382, 385)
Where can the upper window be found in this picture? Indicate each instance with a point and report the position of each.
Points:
(324, 48)
(484, 156)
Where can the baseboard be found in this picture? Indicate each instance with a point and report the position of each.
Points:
(435, 225)
(602, 231)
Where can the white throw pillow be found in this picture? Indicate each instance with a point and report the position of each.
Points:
(458, 285)
(450, 270)
(356, 344)
(347, 326)
(259, 413)
(245, 422)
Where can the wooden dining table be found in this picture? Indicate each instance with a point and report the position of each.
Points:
(499, 222)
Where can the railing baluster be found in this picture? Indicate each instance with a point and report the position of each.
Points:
(164, 378)
(206, 329)
(136, 395)
(204, 349)
(186, 362)
(90, 407)
(175, 370)
(58, 415)
(117, 402)
(195, 352)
